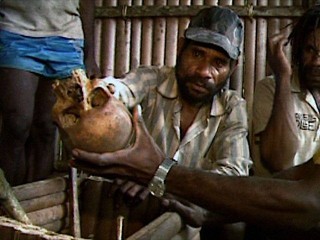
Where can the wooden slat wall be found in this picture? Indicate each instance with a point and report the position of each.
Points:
(130, 33)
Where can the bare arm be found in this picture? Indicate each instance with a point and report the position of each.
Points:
(262, 201)
(87, 8)
(279, 140)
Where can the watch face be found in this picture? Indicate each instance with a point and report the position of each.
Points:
(156, 188)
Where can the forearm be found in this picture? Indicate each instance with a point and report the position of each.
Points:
(87, 8)
(296, 173)
(260, 201)
(213, 218)
(279, 140)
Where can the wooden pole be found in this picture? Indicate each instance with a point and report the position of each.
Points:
(236, 79)
(9, 201)
(120, 220)
(48, 215)
(261, 42)
(284, 24)
(183, 21)
(90, 197)
(74, 204)
(165, 226)
(171, 38)
(250, 48)
(11, 229)
(159, 37)
(146, 42)
(47, 201)
(122, 41)
(136, 24)
(108, 35)
(40, 188)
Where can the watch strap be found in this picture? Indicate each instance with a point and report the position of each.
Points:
(157, 184)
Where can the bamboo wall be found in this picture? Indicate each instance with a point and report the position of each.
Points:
(135, 32)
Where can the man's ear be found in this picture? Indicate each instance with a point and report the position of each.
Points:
(234, 65)
(181, 42)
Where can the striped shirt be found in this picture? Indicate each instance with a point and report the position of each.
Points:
(217, 139)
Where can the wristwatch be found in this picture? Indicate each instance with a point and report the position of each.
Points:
(156, 185)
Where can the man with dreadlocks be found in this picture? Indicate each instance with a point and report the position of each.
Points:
(287, 205)
(286, 106)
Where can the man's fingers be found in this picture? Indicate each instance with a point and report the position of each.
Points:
(111, 172)
(139, 125)
(99, 159)
(177, 206)
(144, 194)
(277, 41)
(89, 157)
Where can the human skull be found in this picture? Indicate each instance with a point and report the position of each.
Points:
(89, 117)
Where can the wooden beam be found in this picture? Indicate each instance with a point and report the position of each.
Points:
(187, 11)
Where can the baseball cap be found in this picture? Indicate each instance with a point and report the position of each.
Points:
(219, 26)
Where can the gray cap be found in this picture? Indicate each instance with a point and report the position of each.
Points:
(219, 26)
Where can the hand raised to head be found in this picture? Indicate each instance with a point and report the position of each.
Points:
(277, 58)
(138, 162)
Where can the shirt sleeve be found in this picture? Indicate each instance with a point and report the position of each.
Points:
(262, 104)
(134, 87)
(230, 147)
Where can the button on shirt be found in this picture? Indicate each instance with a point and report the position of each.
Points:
(216, 140)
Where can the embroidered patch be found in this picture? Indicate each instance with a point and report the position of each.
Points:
(306, 121)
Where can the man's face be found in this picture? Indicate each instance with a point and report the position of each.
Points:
(201, 72)
(310, 64)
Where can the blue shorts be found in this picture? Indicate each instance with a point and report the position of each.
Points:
(51, 57)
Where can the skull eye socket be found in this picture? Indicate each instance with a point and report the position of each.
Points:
(69, 117)
(75, 92)
(97, 98)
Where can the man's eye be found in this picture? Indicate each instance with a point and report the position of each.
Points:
(197, 53)
(219, 63)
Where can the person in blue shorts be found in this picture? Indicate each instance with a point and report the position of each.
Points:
(40, 41)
